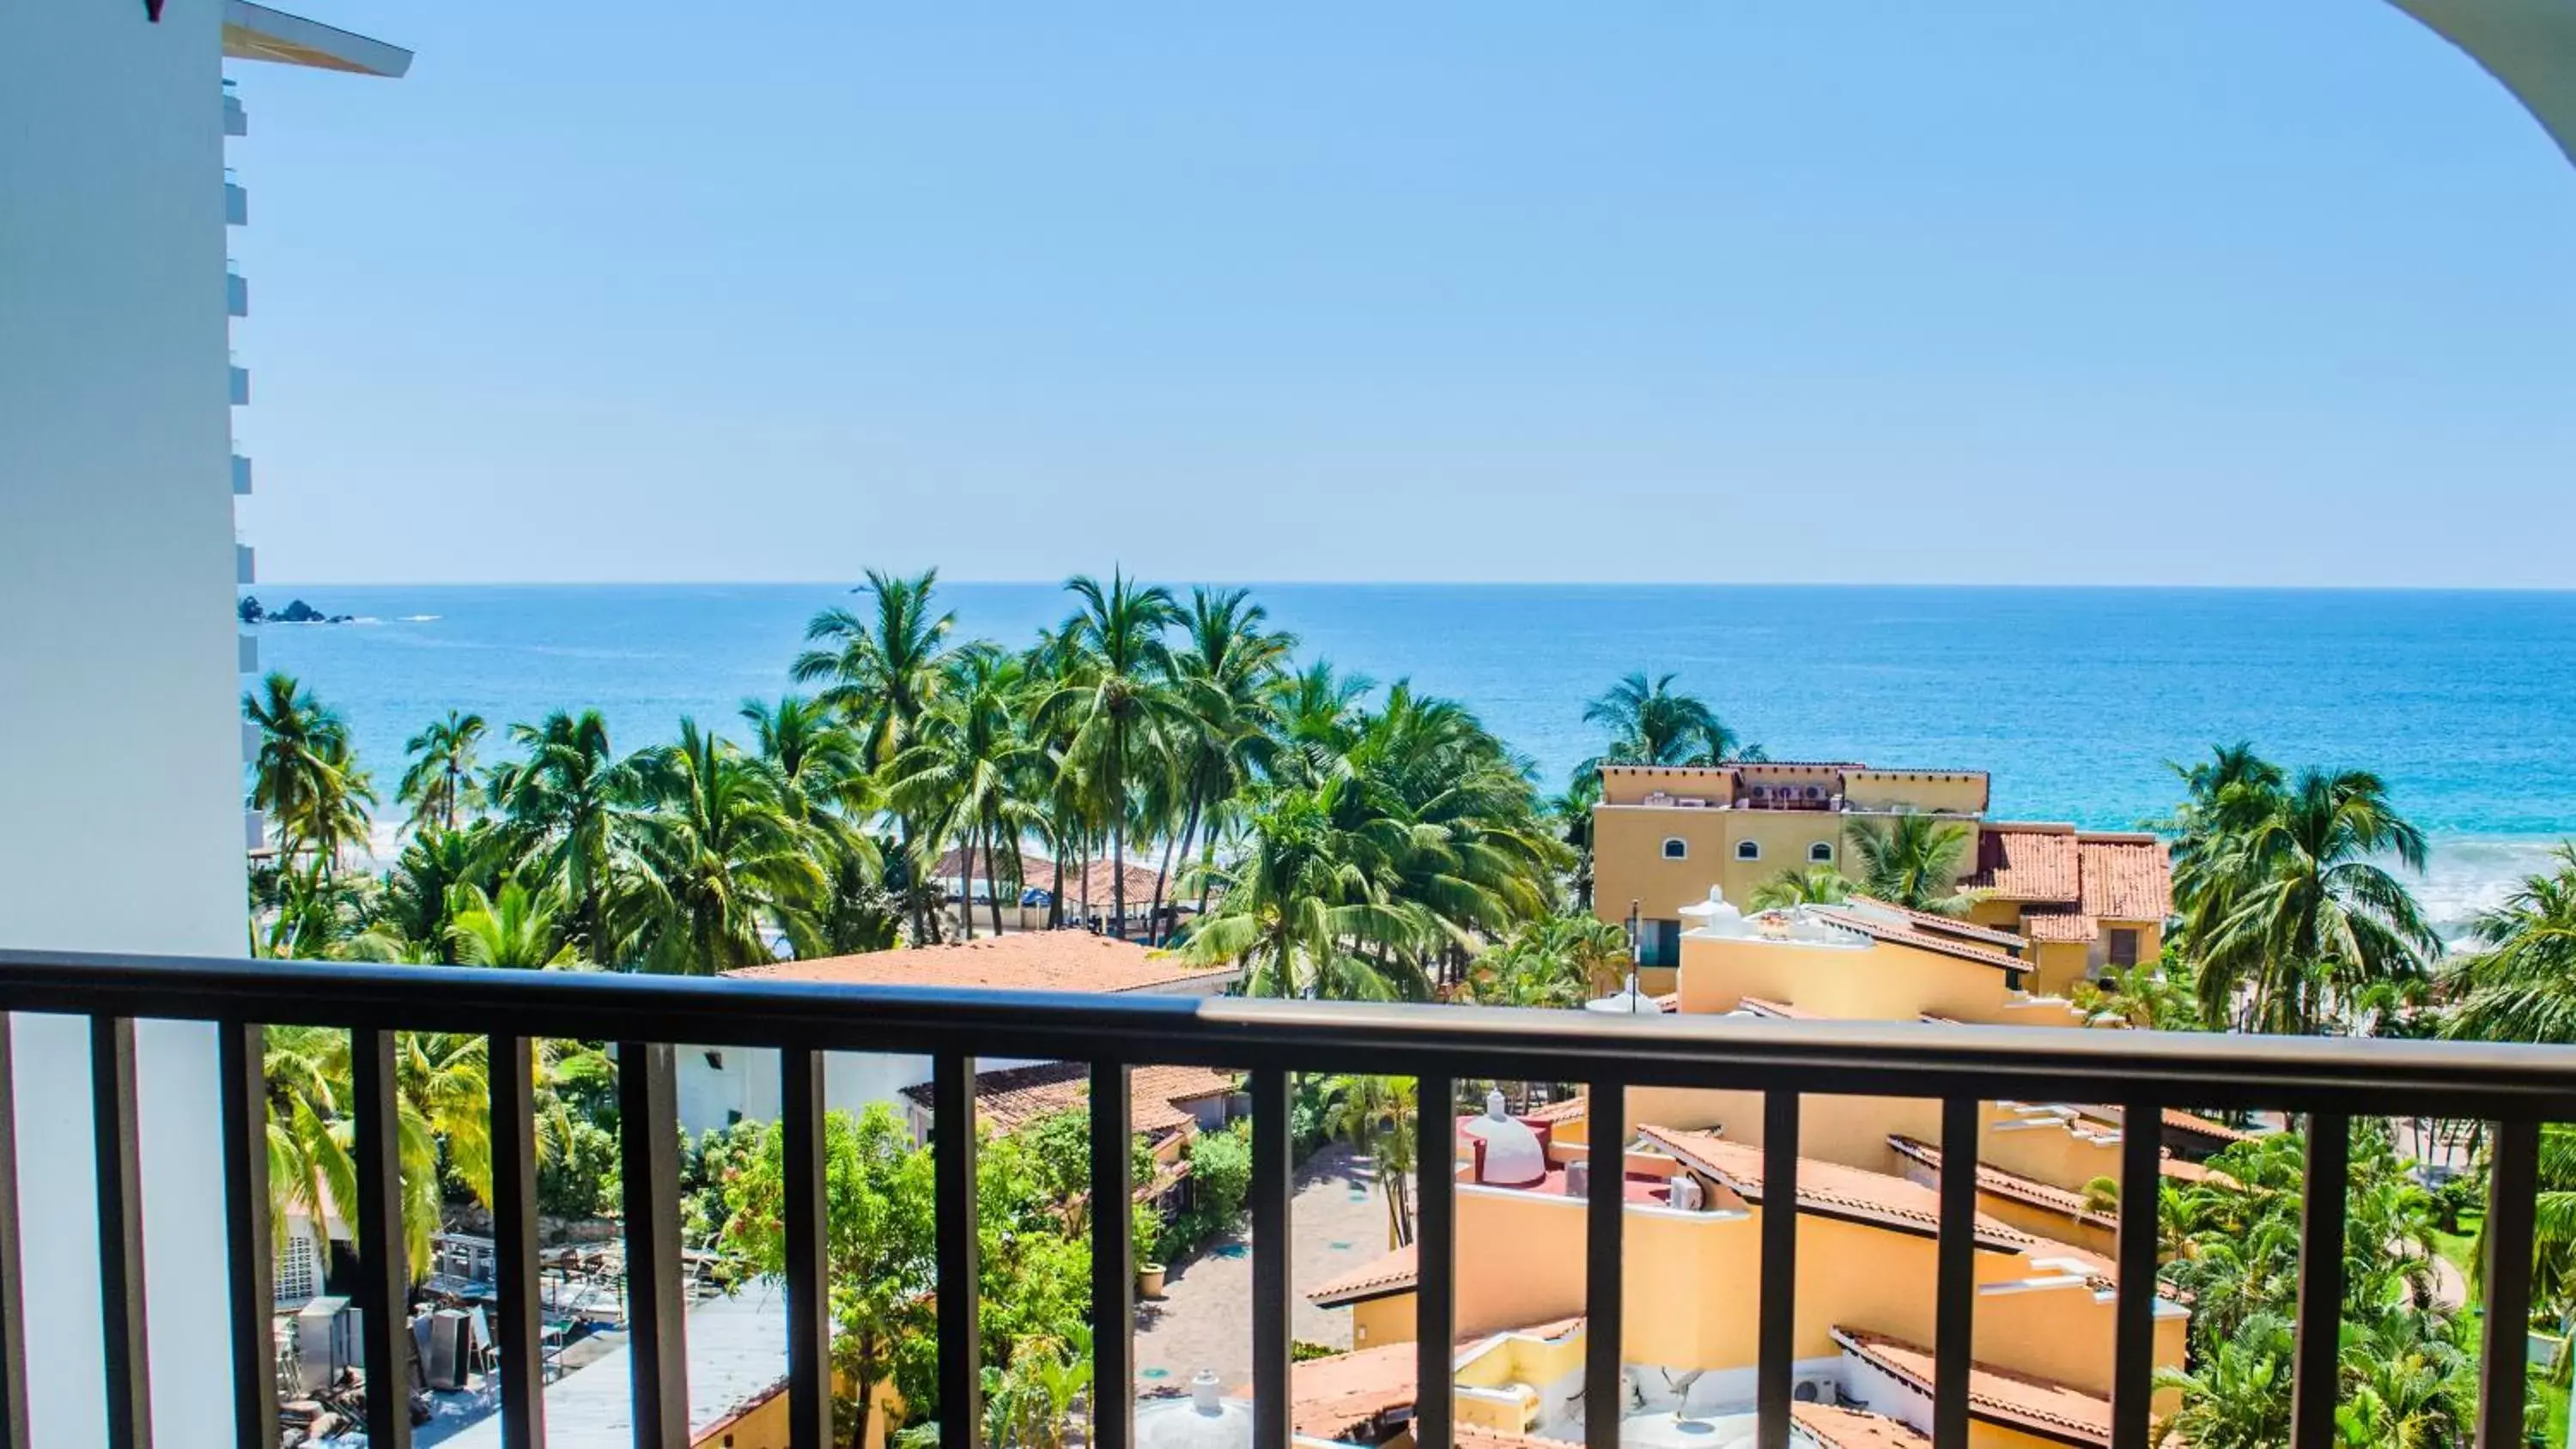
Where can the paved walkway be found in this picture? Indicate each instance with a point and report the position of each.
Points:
(1336, 1223)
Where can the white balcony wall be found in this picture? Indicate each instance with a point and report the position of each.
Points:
(240, 379)
(246, 654)
(236, 119)
(245, 564)
(241, 476)
(236, 295)
(111, 418)
(236, 204)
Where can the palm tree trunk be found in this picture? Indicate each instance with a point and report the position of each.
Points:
(1154, 918)
(1118, 826)
(1055, 898)
(1189, 830)
(966, 886)
(993, 871)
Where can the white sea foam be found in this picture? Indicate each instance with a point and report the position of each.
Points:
(2467, 874)
(417, 619)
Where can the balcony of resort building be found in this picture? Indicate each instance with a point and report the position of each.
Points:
(1788, 1249)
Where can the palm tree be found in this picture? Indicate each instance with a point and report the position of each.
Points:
(417, 905)
(1116, 697)
(1814, 885)
(1225, 674)
(1651, 725)
(2519, 983)
(2290, 919)
(441, 783)
(1556, 961)
(882, 673)
(965, 770)
(1572, 813)
(515, 929)
(718, 859)
(823, 782)
(2223, 796)
(1305, 889)
(1377, 1117)
(1318, 714)
(306, 775)
(1912, 861)
(566, 807)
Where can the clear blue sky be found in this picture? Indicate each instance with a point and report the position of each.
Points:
(2190, 291)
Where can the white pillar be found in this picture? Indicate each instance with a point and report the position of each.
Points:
(120, 815)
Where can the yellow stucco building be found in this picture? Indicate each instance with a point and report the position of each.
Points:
(1866, 1195)
(1663, 836)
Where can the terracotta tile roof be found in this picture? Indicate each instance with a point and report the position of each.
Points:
(2126, 877)
(1572, 1109)
(1830, 1188)
(1945, 925)
(1038, 870)
(2058, 923)
(1397, 1272)
(2012, 1185)
(2025, 861)
(1347, 1392)
(1901, 930)
(1019, 961)
(1837, 1428)
(1996, 1395)
(2177, 1119)
(1780, 1009)
(1014, 1097)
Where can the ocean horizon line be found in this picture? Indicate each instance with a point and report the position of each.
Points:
(2478, 590)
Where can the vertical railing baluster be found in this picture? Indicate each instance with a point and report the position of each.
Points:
(384, 1277)
(1776, 1356)
(1604, 1275)
(115, 1142)
(2314, 1379)
(518, 1329)
(2506, 1284)
(805, 1223)
(961, 1356)
(1113, 1259)
(2133, 1329)
(1272, 1178)
(1954, 1290)
(13, 1312)
(657, 1348)
(1436, 1259)
(241, 1056)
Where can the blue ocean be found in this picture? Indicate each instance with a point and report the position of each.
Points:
(2075, 699)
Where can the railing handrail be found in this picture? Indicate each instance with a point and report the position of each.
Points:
(1893, 1058)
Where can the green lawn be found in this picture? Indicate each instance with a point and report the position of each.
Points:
(2460, 1247)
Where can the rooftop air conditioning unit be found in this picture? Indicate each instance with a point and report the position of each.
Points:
(1578, 1179)
(1824, 1391)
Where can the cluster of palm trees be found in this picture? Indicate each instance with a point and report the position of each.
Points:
(1335, 844)
(2406, 1365)
(2290, 917)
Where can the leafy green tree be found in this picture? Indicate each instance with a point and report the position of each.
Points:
(441, 786)
(1912, 861)
(411, 916)
(880, 1249)
(1225, 674)
(1303, 891)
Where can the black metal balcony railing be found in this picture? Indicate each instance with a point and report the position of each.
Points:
(2331, 1080)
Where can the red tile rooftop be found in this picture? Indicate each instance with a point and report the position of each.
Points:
(1019, 961)
(2126, 877)
(1839, 1428)
(1014, 1097)
(1999, 1396)
(2024, 861)
(1831, 1189)
(2012, 1185)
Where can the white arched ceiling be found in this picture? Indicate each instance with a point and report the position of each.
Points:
(2528, 45)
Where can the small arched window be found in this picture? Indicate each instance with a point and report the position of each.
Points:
(1748, 850)
(1821, 853)
(1676, 848)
